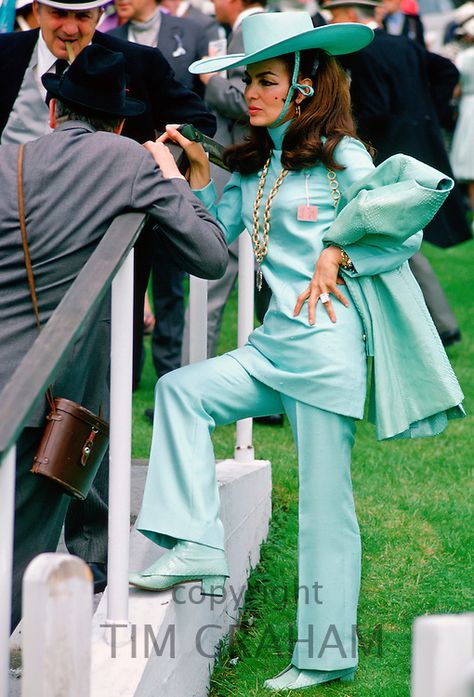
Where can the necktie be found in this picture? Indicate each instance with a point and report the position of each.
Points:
(61, 66)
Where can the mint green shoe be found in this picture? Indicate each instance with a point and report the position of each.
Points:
(187, 561)
(297, 679)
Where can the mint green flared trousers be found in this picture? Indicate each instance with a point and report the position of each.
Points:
(181, 498)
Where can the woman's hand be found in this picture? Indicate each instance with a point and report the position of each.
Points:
(199, 175)
(325, 280)
(164, 159)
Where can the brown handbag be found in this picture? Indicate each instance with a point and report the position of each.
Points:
(74, 439)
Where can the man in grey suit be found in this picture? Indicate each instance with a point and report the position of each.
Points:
(24, 58)
(185, 8)
(225, 96)
(75, 183)
(179, 39)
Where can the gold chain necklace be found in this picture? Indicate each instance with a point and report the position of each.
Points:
(260, 243)
(334, 186)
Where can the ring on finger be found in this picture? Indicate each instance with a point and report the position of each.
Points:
(324, 297)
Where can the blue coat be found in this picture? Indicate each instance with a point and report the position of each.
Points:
(414, 390)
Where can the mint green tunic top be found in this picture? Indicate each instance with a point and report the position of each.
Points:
(323, 365)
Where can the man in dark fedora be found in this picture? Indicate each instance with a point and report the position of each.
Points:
(65, 222)
(399, 93)
(24, 58)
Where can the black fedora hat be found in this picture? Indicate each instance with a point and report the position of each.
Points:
(95, 82)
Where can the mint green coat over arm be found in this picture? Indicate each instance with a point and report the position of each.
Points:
(414, 390)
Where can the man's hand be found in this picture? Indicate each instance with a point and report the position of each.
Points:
(164, 159)
(199, 175)
(325, 280)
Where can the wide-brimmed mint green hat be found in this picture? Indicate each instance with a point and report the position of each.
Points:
(271, 34)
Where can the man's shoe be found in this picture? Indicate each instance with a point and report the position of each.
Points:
(187, 561)
(99, 574)
(450, 338)
(293, 678)
(149, 414)
(270, 420)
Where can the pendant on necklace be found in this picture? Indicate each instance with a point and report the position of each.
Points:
(259, 277)
(307, 213)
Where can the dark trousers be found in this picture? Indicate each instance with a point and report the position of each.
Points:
(435, 297)
(168, 303)
(142, 266)
(86, 525)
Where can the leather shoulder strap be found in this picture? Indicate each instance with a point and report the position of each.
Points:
(26, 253)
(24, 238)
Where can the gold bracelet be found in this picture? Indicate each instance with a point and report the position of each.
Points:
(346, 262)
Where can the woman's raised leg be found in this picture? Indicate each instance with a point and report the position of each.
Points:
(181, 500)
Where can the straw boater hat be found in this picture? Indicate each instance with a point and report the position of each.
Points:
(290, 32)
(348, 3)
(74, 5)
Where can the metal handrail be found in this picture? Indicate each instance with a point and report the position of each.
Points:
(40, 365)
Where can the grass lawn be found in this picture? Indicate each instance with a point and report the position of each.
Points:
(414, 504)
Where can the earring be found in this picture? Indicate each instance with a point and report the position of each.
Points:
(297, 111)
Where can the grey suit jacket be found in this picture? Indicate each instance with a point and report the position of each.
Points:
(177, 34)
(208, 24)
(225, 96)
(76, 181)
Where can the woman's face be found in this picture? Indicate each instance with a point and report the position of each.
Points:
(267, 85)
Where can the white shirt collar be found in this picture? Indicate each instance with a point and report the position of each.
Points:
(46, 59)
(244, 14)
(45, 63)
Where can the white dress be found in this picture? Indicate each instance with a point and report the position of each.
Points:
(462, 149)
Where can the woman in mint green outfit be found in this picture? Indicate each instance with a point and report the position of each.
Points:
(303, 153)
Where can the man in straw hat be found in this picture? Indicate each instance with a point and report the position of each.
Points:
(88, 108)
(66, 27)
(399, 93)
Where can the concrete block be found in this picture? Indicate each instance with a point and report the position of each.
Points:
(169, 648)
(443, 647)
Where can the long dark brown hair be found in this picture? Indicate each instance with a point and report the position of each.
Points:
(312, 137)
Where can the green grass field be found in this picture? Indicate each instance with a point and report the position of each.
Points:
(414, 503)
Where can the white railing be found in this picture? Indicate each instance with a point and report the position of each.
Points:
(244, 451)
(121, 361)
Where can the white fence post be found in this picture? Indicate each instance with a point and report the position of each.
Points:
(443, 646)
(7, 513)
(244, 451)
(197, 319)
(57, 622)
(120, 444)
